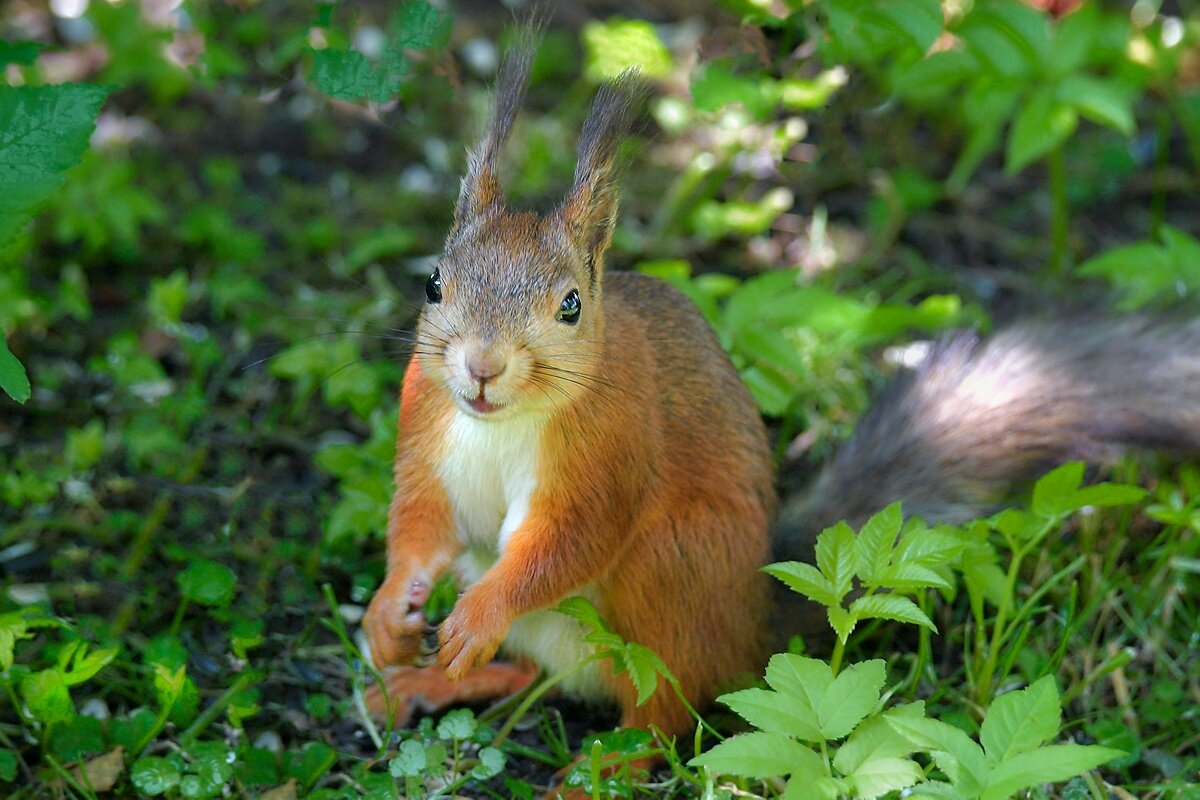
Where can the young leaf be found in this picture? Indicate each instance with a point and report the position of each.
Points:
(759, 755)
(890, 606)
(457, 724)
(1054, 493)
(581, 609)
(154, 775)
(955, 753)
(1044, 765)
(1042, 124)
(851, 696)
(876, 541)
(644, 667)
(804, 679)
(1109, 494)
(836, 559)
(1101, 101)
(491, 764)
(882, 775)
(13, 379)
(46, 695)
(805, 579)
(790, 715)
(842, 622)
(875, 739)
(1019, 721)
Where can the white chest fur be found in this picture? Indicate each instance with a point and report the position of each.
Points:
(489, 472)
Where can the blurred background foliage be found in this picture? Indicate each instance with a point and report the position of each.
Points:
(211, 308)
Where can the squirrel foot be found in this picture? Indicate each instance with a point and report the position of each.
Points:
(427, 690)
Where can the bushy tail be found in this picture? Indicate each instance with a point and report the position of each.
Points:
(980, 416)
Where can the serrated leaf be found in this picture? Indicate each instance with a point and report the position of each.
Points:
(876, 541)
(1043, 124)
(836, 558)
(805, 579)
(875, 738)
(805, 679)
(891, 606)
(1045, 765)
(842, 622)
(1019, 721)
(13, 379)
(1054, 492)
(909, 577)
(928, 548)
(955, 753)
(759, 755)
(644, 668)
(19, 52)
(581, 610)
(418, 25)
(787, 714)
(409, 761)
(46, 130)
(803, 786)
(882, 775)
(851, 696)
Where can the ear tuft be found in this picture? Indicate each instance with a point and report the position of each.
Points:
(480, 190)
(590, 208)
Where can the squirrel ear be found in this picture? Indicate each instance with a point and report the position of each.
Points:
(590, 208)
(480, 190)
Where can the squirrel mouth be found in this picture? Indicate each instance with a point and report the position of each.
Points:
(480, 404)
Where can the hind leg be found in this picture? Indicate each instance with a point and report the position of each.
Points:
(427, 690)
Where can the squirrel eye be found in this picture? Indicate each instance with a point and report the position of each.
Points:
(433, 287)
(568, 312)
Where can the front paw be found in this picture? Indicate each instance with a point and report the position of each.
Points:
(395, 621)
(472, 633)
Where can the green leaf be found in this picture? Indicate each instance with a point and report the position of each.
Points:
(45, 131)
(805, 579)
(79, 665)
(1043, 124)
(13, 379)
(24, 53)
(1109, 494)
(207, 582)
(418, 26)
(1008, 38)
(154, 775)
(908, 577)
(644, 668)
(8, 765)
(836, 558)
(409, 761)
(875, 739)
(955, 753)
(806, 679)
(842, 622)
(876, 541)
(616, 45)
(1017, 722)
(46, 695)
(1054, 493)
(491, 763)
(850, 697)
(1044, 765)
(890, 606)
(457, 724)
(774, 712)
(1102, 101)
(882, 775)
(581, 609)
(759, 755)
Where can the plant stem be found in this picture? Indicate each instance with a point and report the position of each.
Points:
(210, 714)
(534, 696)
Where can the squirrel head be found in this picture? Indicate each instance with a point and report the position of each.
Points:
(513, 321)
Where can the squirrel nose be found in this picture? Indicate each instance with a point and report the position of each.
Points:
(484, 365)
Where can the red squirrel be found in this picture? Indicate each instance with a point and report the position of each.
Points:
(566, 431)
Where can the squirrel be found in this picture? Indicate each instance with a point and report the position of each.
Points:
(567, 431)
